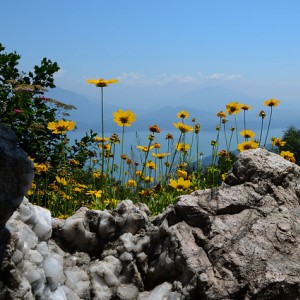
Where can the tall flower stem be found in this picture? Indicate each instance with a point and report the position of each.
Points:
(268, 126)
(236, 131)
(174, 155)
(102, 132)
(122, 161)
(225, 135)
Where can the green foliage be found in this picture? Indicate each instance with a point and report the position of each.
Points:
(23, 106)
(292, 138)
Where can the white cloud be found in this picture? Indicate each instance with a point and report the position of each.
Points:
(139, 79)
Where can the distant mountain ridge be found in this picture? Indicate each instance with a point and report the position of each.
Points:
(202, 104)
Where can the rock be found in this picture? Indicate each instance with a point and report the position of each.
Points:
(238, 241)
(16, 174)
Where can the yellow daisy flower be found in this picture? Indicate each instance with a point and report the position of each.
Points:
(183, 114)
(151, 165)
(61, 180)
(102, 82)
(272, 102)
(182, 147)
(182, 173)
(247, 134)
(221, 114)
(148, 179)
(41, 167)
(245, 107)
(95, 193)
(160, 155)
(278, 142)
(145, 148)
(183, 127)
(180, 184)
(247, 145)
(288, 156)
(131, 183)
(61, 126)
(124, 118)
(233, 108)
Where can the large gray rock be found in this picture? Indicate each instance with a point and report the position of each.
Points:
(16, 174)
(238, 241)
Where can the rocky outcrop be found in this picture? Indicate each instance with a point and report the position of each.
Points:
(238, 241)
(16, 174)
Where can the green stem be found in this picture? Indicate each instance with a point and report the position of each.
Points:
(268, 126)
(236, 130)
(225, 138)
(122, 161)
(102, 132)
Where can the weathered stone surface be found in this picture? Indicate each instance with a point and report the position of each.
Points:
(238, 241)
(16, 174)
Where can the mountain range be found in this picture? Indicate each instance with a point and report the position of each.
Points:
(202, 104)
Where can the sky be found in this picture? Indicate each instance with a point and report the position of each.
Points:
(160, 50)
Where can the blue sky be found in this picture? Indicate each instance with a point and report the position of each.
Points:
(160, 49)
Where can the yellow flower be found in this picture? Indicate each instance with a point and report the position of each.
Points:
(233, 108)
(138, 173)
(96, 174)
(102, 82)
(113, 202)
(61, 126)
(245, 107)
(247, 133)
(183, 127)
(278, 142)
(105, 147)
(61, 180)
(73, 162)
(66, 196)
(95, 193)
(182, 147)
(160, 155)
(131, 182)
(100, 139)
(180, 184)
(151, 165)
(183, 114)
(30, 192)
(247, 145)
(145, 148)
(41, 167)
(156, 145)
(77, 190)
(221, 114)
(288, 156)
(182, 173)
(271, 102)
(148, 179)
(81, 186)
(124, 118)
